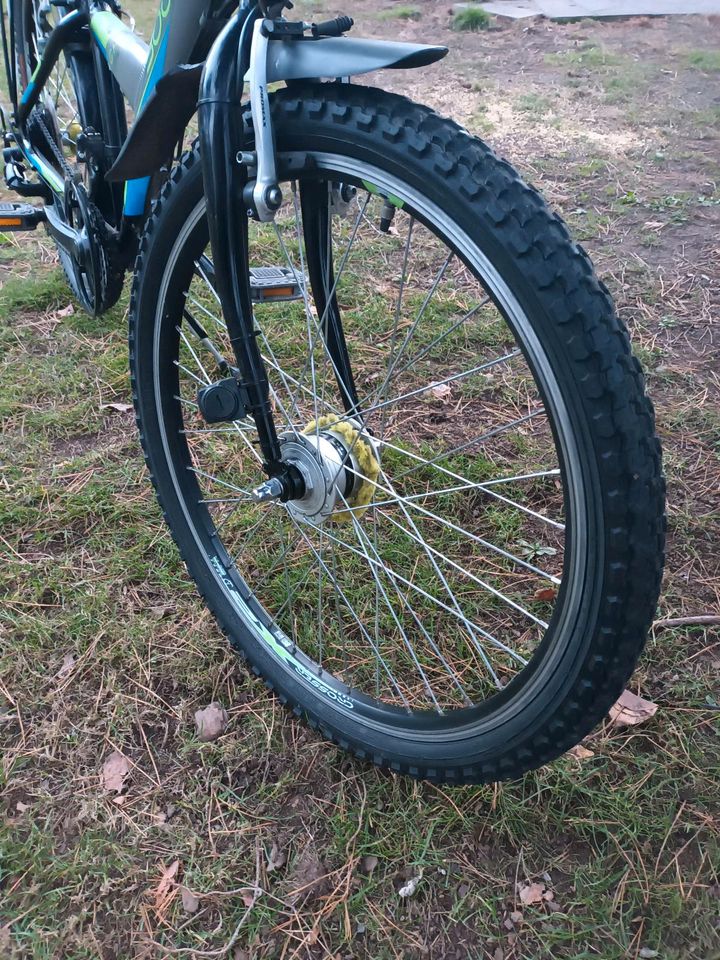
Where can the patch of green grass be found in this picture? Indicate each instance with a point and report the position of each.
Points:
(472, 19)
(533, 103)
(589, 56)
(401, 12)
(706, 60)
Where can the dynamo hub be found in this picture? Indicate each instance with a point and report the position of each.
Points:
(339, 466)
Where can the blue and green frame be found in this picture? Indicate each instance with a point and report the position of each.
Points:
(136, 66)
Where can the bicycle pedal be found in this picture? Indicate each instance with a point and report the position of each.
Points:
(274, 284)
(20, 216)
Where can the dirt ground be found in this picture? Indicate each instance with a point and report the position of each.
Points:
(269, 843)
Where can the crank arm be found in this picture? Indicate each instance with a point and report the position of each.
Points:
(66, 238)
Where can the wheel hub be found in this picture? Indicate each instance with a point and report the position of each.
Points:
(339, 466)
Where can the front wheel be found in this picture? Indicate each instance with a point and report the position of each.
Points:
(466, 585)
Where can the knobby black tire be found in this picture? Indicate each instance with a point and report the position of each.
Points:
(572, 313)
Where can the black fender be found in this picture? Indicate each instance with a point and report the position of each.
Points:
(160, 124)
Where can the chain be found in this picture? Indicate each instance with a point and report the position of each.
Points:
(37, 118)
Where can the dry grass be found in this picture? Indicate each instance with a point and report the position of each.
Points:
(291, 849)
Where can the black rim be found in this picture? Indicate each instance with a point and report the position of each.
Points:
(239, 592)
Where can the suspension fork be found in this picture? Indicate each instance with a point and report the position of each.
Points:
(221, 137)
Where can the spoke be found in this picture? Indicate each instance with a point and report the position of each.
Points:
(363, 538)
(227, 500)
(453, 599)
(273, 362)
(398, 308)
(357, 619)
(194, 356)
(395, 359)
(181, 366)
(239, 425)
(201, 268)
(276, 563)
(443, 606)
(208, 313)
(424, 352)
(223, 483)
(522, 476)
(466, 484)
(306, 302)
(465, 572)
(465, 533)
(503, 428)
(319, 324)
(439, 383)
(459, 489)
(319, 617)
(338, 616)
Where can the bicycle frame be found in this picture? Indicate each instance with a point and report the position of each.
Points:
(250, 47)
(136, 66)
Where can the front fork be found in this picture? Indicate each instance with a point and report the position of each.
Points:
(232, 200)
(221, 135)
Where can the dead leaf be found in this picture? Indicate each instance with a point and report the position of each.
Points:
(249, 896)
(631, 709)
(211, 722)
(189, 901)
(531, 893)
(115, 771)
(276, 859)
(118, 407)
(67, 665)
(166, 889)
(545, 593)
(368, 863)
(67, 311)
(309, 876)
(441, 391)
(21, 807)
(161, 611)
(409, 888)
(535, 892)
(580, 752)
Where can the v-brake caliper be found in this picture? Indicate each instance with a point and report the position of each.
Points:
(253, 176)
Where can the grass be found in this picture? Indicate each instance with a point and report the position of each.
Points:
(472, 19)
(401, 12)
(534, 103)
(627, 839)
(588, 55)
(706, 60)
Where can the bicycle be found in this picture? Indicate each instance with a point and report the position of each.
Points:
(392, 418)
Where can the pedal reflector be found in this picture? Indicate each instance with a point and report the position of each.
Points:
(20, 216)
(273, 284)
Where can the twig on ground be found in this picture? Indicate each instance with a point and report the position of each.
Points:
(704, 620)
